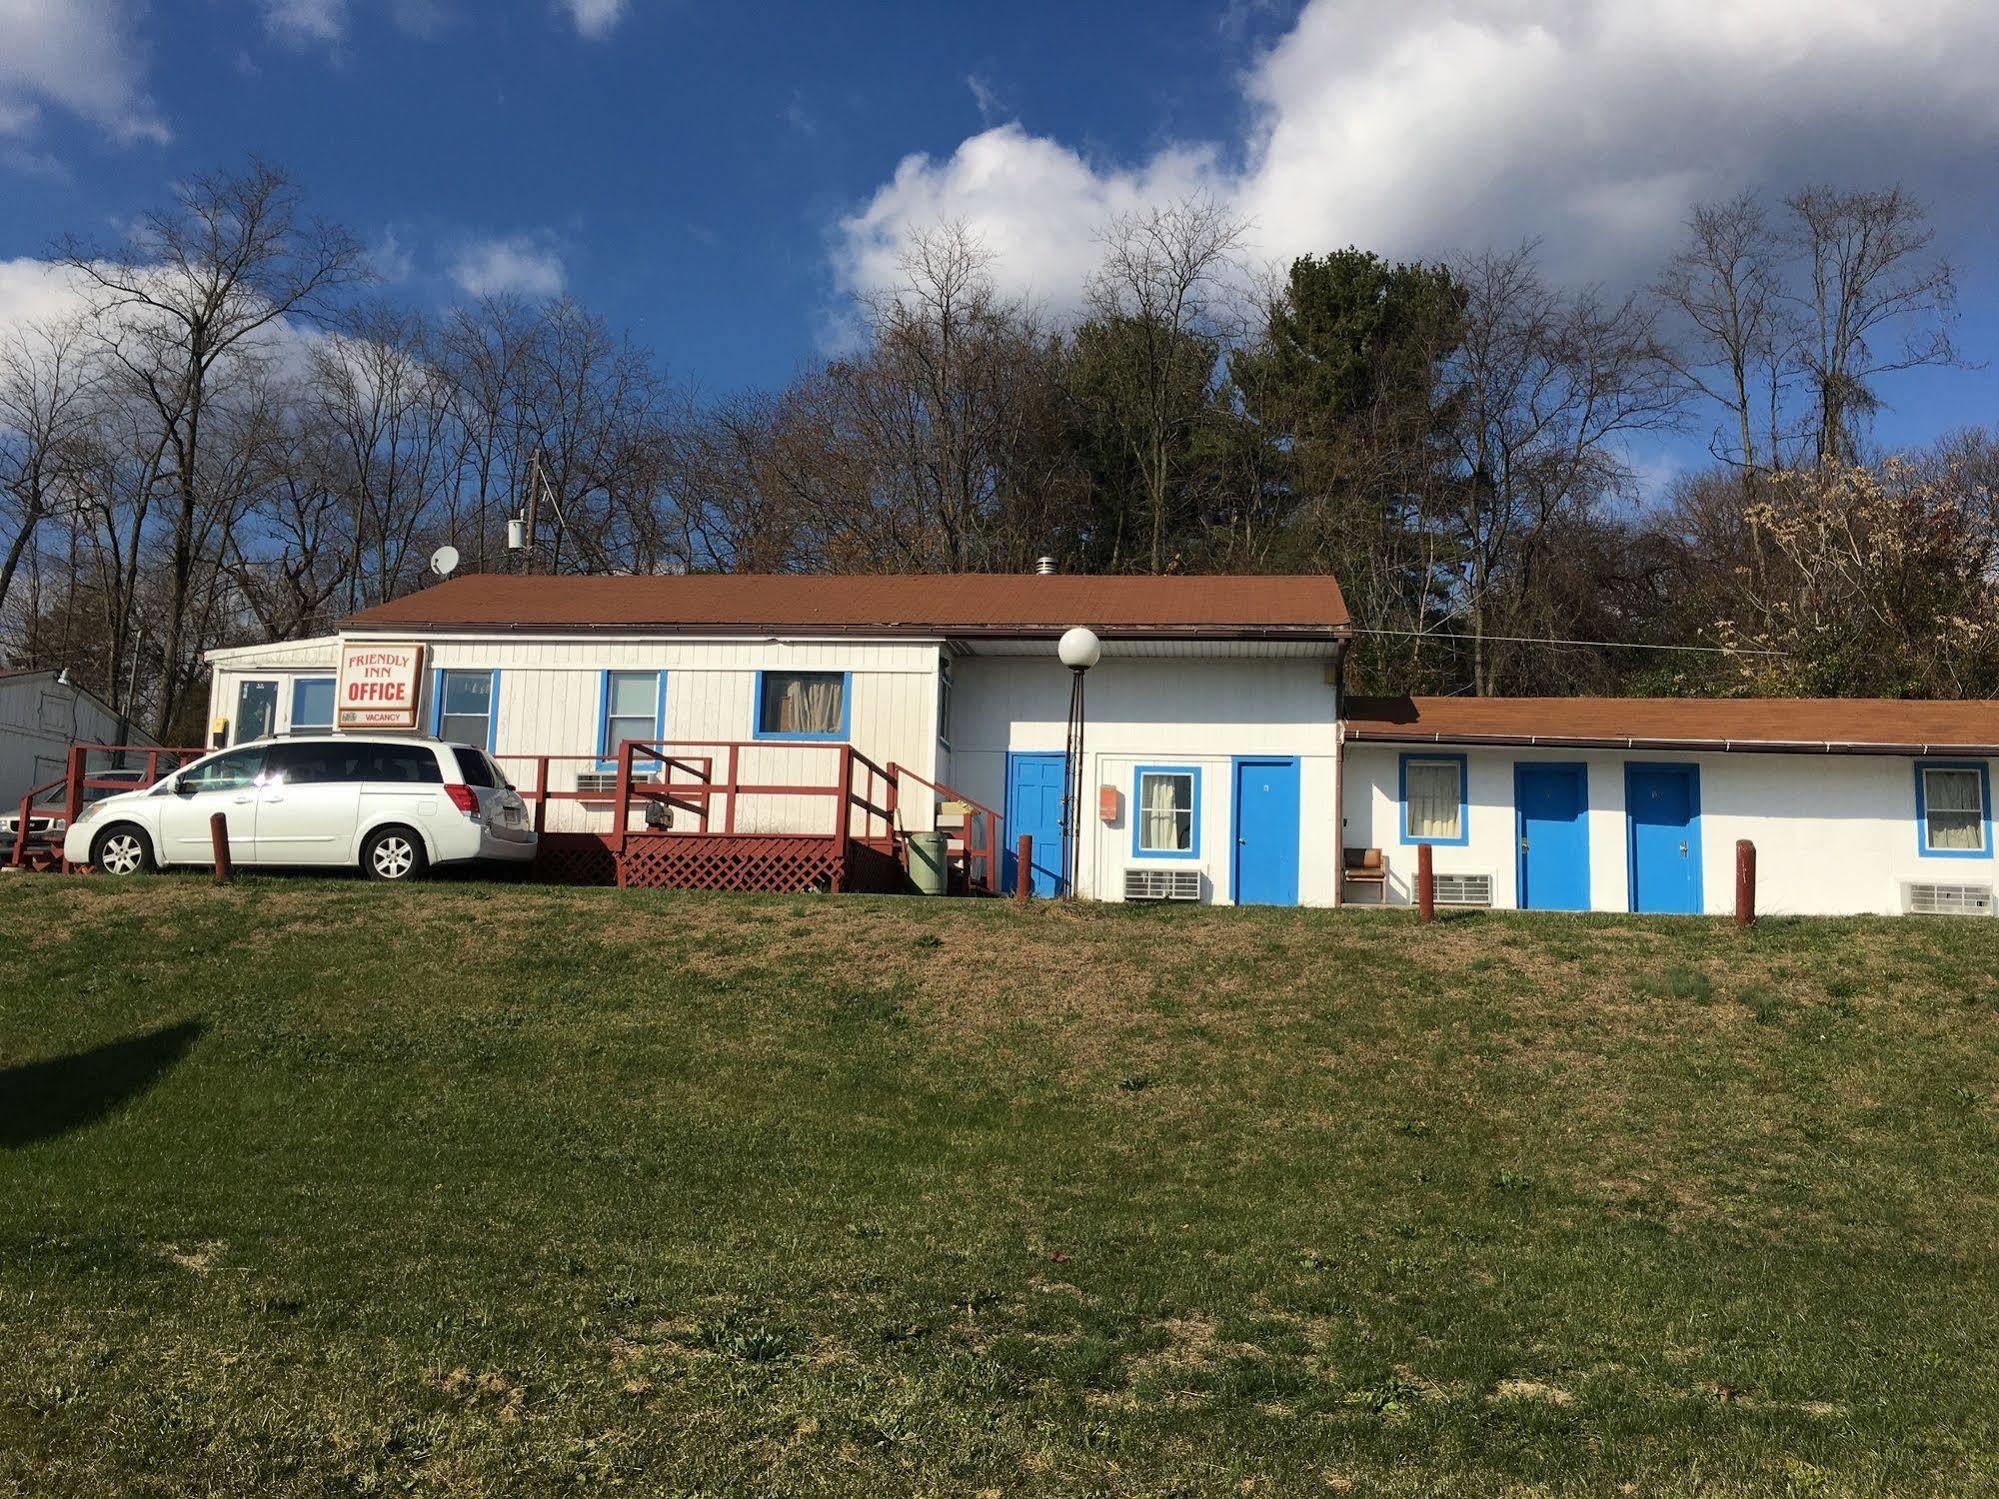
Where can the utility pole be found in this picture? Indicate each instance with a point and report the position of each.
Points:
(535, 482)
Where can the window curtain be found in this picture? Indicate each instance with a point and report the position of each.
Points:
(1433, 799)
(1951, 802)
(1167, 811)
(810, 705)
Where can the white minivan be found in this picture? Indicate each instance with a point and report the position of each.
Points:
(394, 807)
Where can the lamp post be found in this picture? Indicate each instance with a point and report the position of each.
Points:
(1079, 650)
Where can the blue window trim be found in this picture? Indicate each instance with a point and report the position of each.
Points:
(437, 676)
(332, 704)
(1581, 768)
(1138, 776)
(1693, 774)
(1985, 806)
(607, 756)
(1464, 798)
(757, 729)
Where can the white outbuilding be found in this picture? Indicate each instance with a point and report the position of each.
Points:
(43, 713)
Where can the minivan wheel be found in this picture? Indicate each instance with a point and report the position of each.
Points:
(393, 854)
(122, 849)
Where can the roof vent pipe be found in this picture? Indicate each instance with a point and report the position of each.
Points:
(1045, 566)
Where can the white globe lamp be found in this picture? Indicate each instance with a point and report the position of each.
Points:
(1079, 648)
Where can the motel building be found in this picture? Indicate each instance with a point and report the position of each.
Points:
(777, 732)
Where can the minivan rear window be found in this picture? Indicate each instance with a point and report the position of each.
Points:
(476, 770)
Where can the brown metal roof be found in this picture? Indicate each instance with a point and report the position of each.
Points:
(990, 604)
(1824, 725)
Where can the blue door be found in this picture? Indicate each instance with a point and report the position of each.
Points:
(1551, 805)
(1266, 833)
(1664, 806)
(1034, 806)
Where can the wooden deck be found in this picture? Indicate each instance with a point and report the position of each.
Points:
(698, 789)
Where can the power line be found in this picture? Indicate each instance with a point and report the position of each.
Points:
(1614, 645)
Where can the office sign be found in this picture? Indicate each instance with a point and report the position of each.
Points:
(379, 685)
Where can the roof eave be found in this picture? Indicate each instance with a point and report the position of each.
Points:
(1690, 746)
(1330, 633)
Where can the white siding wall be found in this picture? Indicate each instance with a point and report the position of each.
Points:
(1834, 834)
(551, 702)
(1187, 711)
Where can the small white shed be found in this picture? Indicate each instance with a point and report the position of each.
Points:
(41, 716)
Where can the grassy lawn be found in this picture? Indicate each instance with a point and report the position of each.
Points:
(317, 1188)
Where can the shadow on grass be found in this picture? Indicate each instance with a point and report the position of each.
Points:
(41, 1100)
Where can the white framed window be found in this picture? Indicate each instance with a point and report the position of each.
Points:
(1433, 799)
(801, 705)
(1165, 820)
(633, 704)
(465, 707)
(944, 703)
(1953, 811)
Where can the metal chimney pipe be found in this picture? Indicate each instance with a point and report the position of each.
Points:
(1045, 566)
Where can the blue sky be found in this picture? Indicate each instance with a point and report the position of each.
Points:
(717, 178)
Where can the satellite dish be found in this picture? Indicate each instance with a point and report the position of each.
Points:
(444, 561)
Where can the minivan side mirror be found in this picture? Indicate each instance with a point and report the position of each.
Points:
(183, 787)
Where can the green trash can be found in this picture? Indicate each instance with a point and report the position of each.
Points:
(928, 870)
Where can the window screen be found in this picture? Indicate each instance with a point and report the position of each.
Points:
(631, 708)
(1435, 806)
(1953, 810)
(803, 702)
(466, 716)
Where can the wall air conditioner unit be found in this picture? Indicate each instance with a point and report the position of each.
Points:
(1162, 884)
(604, 782)
(1463, 889)
(1947, 900)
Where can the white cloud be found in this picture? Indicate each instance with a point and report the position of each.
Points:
(301, 21)
(391, 258)
(525, 264)
(83, 56)
(594, 19)
(1037, 205)
(1421, 127)
(34, 291)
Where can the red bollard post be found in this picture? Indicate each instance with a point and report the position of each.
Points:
(1745, 882)
(1426, 885)
(1023, 868)
(218, 836)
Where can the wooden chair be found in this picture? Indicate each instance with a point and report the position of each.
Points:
(1363, 867)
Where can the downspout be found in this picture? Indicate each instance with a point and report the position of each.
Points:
(1337, 672)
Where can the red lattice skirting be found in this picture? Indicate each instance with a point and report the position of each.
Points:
(574, 859)
(780, 863)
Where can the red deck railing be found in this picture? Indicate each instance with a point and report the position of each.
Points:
(77, 782)
(972, 846)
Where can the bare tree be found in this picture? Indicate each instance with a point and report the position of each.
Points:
(1541, 395)
(1873, 301)
(47, 382)
(1164, 276)
(1739, 345)
(191, 299)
